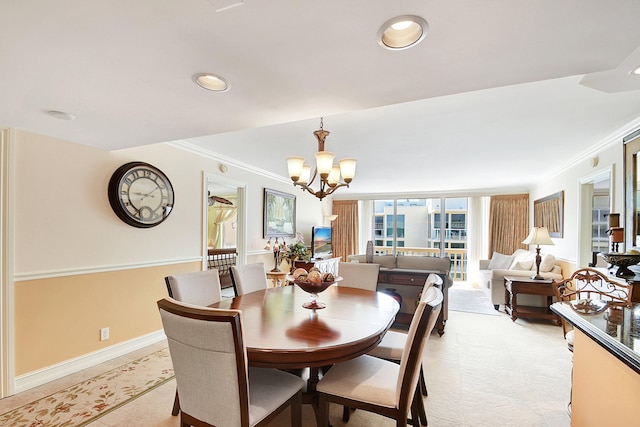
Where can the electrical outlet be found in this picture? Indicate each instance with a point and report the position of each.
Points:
(104, 334)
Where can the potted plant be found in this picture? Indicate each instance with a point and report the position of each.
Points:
(297, 251)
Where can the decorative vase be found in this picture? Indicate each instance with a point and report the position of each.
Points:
(393, 294)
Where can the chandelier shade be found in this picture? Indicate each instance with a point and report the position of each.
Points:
(331, 176)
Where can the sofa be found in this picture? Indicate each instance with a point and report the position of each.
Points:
(521, 263)
(405, 275)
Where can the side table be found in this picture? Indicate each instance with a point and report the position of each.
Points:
(279, 278)
(514, 285)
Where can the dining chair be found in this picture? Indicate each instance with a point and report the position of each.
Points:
(199, 288)
(210, 364)
(381, 386)
(589, 284)
(248, 278)
(359, 275)
(393, 344)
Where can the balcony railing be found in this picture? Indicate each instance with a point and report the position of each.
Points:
(458, 257)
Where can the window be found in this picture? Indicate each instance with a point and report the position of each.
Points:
(416, 226)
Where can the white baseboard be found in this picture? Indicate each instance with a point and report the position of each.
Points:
(50, 373)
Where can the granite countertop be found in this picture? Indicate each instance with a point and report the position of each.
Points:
(616, 329)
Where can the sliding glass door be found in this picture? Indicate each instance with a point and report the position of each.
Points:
(423, 227)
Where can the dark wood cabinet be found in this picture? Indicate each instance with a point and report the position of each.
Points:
(411, 283)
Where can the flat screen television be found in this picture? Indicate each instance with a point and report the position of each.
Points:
(321, 243)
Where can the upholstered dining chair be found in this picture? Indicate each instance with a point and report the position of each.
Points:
(358, 275)
(249, 278)
(198, 288)
(393, 344)
(210, 364)
(381, 386)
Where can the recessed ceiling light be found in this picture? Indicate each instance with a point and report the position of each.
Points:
(61, 115)
(211, 82)
(635, 72)
(402, 32)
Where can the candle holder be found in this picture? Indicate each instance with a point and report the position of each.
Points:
(279, 246)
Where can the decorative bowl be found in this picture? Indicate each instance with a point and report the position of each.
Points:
(313, 288)
(622, 261)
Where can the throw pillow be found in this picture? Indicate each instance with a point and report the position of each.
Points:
(547, 264)
(500, 261)
(523, 265)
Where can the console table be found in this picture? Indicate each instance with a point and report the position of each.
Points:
(414, 278)
(514, 285)
(326, 265)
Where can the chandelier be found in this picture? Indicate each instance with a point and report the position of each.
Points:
(330, 174)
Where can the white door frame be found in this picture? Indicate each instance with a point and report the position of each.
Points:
(7, 168)
(585, 206)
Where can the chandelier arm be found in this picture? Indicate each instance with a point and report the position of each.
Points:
(335, 187)
(305, 187)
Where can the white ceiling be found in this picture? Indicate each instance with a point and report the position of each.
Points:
(499, 93)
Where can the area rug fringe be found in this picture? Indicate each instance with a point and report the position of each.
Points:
(89, 400)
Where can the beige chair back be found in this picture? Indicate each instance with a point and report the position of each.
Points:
(209, 360)
(249, 278)
(359, 275)
(198, 288)
(423, 322)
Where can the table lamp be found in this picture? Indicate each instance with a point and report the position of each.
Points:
(538, 236)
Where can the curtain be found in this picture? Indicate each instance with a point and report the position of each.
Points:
(345, 228)
(217, 216)
(477, 222)
(508, 223)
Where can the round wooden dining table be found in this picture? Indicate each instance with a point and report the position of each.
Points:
(280, 333)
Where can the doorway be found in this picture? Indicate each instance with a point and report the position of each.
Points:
(224, 217)
(596, 202)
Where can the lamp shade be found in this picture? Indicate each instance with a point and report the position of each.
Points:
(294, 166)
(538, 236)
(324, 162)
(348, 169)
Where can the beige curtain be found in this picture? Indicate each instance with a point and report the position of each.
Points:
(217, 216)
(508, 223)
(345, 228)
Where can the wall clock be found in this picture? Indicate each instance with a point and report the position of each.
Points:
(140, 194)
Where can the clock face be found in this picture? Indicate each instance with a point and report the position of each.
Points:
(140, 194)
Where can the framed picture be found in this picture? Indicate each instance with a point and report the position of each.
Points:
(549, 212)
(279, 214)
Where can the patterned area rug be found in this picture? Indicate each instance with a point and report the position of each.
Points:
(471, 301)
(83, 403)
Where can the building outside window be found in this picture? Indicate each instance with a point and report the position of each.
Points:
(413, 227)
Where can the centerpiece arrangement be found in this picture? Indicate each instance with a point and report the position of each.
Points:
(313, 282)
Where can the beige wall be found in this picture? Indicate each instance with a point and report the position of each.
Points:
(60, 318)
(79, 268)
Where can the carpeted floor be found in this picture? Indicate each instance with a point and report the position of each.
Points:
(470, 301)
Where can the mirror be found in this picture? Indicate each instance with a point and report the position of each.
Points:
(631, 193)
